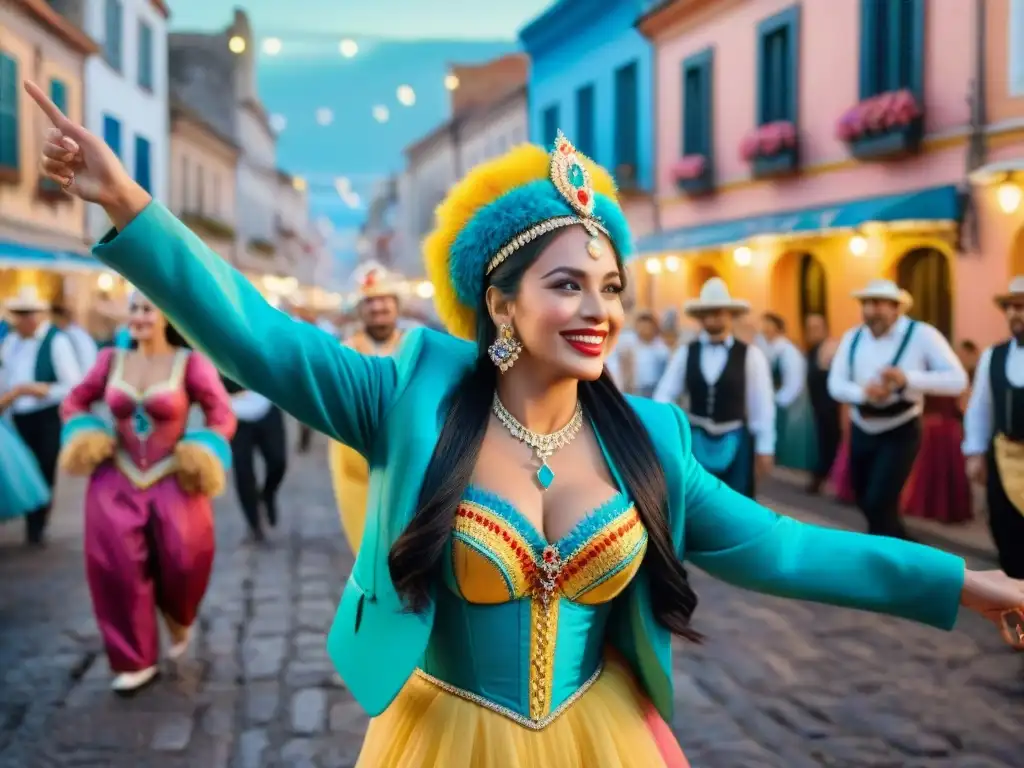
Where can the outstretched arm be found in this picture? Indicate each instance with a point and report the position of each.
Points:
(739, 541)
(297, 366)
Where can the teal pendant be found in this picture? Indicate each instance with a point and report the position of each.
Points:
(545, 476)
(143, 426)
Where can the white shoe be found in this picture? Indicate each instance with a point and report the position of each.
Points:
(129, 682)
(177, 650)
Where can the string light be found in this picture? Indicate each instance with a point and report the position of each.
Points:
(272, 46)
(348, 48)
(653, 266)
(743, 256)
(858, 245)
(324, 116)
(278, 123)
(672, 263)
(381, 113)
(406, 95)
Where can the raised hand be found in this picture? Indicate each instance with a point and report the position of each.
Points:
(998, 598)
(81, 162)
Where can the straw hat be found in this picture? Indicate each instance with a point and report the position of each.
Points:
(884, 290)
(714, 295)
(371, 279)
(27, 300)
(1015, 291)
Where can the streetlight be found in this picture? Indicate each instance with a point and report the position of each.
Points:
(858, 245)
(1008, 195)
(743, 256)
(451, 82)
(237, 44)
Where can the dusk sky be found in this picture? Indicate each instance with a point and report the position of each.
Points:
(400, 43)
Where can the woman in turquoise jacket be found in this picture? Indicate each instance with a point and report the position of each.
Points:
(490, 619)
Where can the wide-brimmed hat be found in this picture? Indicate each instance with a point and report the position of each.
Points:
(371, 279)
(1014, 292)
(884, 290)
(27, 299)
(505, 203)
(714, 295)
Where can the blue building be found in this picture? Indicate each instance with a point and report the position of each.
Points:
(592, 77)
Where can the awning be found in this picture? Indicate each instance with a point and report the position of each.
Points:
(937, 204)
(20, 256)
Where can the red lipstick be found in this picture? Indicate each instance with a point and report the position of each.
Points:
(586, 341)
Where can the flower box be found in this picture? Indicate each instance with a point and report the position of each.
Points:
(692, 175)
(884, 126)
(772, 150)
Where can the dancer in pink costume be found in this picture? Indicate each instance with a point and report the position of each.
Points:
(149, 536)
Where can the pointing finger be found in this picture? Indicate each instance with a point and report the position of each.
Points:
(57, 152)
(51, 110)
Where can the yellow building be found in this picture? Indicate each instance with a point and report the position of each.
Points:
(42, 230)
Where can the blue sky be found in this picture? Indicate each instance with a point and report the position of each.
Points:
(401, 42)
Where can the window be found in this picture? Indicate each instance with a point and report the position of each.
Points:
(584, 138)
(9, 144)
(549, 121)
(1016, 48)
(143, 164)
(112, 133)
(627, 117)
(891, 46)
(777, 81)
(145, 56)
(697, 84)
(113, 33)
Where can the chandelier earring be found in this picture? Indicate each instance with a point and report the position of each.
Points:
(506, 348)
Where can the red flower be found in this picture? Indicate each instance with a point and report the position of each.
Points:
(689, 167)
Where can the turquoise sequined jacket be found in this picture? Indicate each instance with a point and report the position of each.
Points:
(391, 411)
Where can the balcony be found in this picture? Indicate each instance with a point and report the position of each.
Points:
(205, 225)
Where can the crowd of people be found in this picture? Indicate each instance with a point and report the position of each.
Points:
(522, 538)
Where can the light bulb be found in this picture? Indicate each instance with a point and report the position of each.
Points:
(652, 266)
(324, 116)
(858, 245)
(406, 95)
(743, 256)
(425, 290)
(105, 281)
(672, 263)
(451, 82)
(348, 48)
(1008, 196)
(272, 46)
(381, 113)
(236, 44)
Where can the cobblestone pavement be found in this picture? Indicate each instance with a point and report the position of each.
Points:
(777, 684)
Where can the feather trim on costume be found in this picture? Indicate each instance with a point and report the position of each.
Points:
(199, 470)
(85, 451)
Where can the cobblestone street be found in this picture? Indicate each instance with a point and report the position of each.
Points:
(777, 684)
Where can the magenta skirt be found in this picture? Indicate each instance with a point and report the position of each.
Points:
(938, 488)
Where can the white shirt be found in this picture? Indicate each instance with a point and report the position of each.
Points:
(250, 406)
(929, 363)
(85, 347)
(979, 418)
(647, 359)
(760, 392)
(18, 366)
(792, 365)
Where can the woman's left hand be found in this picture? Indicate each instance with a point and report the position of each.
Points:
(999, 599)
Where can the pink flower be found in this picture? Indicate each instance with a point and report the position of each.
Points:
(689, 167)
(903, 109)
(749, 147)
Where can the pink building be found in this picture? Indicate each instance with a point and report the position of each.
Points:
(804, 148)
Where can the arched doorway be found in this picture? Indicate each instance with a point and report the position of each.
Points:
(924, 273)
(700, 274)
(812, 291)
(1017, 254)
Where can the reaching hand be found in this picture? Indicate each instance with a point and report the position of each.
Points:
(998, 598)
(78, 160)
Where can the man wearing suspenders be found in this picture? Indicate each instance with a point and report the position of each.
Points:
(729, 387)
(994, 434)
(883, 369)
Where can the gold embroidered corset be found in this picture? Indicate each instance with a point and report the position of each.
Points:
(520, 626)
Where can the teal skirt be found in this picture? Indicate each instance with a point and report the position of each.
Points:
(795, 445)
(22, 487)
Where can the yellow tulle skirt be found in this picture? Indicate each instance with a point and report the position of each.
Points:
(350, 476)
(612, 725)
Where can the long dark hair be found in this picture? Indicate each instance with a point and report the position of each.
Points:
(416, 557)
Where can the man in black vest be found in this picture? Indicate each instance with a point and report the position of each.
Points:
(994, 433)
(883, 369)
(731, 397)
(38, 367)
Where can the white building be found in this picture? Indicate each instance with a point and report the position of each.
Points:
(126, 90)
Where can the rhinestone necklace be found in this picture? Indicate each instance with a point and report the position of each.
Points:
(543, 446)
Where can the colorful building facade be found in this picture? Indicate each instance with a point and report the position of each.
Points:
(797, 185)
(592, 78)
(43, 240)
